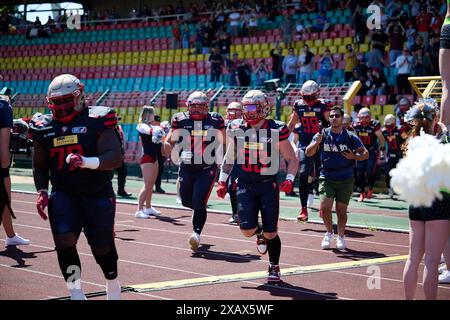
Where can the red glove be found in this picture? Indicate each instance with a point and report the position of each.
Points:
(42, 203)
(74, 160)
(221, 189)
(287, 186)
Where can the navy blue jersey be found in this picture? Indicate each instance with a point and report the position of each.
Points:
(367, 134)
(254, 149)
(334, 165)
(6, 114)
(150, 148)
(394, 140)
(78, 136)
(199, 135)
(309, 118)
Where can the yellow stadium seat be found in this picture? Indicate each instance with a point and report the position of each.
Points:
(128, 54)
(381, 118)
(156, 59)
(321, 50)
(318, 43)
(333, 49)
(128, 60)
(363, 47)
(266, 54)
(200, 57)
(248, 55)
(389, 109)
(337, 41)
(170, 59)
(121, 61)
(342, 49)
(135, 60)
(264, 46)
(347, 40)
(121, 55)
(189, 58)
(239, 48)
(177, 59)
(148, 60)
(328, 42)
(309, 43)
(376, 109)
(257, 54)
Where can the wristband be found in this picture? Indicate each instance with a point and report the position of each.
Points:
(290, 177)
(223, 176)
(90, 163)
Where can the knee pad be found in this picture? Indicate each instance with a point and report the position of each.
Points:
(106, 258)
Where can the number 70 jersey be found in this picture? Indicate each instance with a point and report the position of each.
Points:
(309, 118)
(77, 136)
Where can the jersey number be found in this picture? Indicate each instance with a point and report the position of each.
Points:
(365, 140)
(392, 143)
(251, 156)
(310, 125)
(61, 153)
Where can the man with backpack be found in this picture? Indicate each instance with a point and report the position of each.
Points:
(338, 149)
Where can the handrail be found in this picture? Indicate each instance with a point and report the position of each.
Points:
(103, 96)
(214, 97)
(157, 94)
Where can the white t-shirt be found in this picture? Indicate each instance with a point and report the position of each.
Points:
(235, 17)
(307, 67)
(253, 21)
(406, 68)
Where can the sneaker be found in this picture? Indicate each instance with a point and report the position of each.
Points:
(178, 200)
(442, 268)
(140, 214)
(303, 216)
(442, 258)
(152, 212)
(370, 194)
(124, 194)
(194, 241)
(362, 196)
(261, 244)
(326, 242)
(391, 193)
(77, 294)
(310, 200)
(234, 219)
(340, 243)
(159, 190)
(444, 277)
(16, 241)
(113, 290)
(274, 273)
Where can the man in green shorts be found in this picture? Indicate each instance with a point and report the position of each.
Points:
(338, 149)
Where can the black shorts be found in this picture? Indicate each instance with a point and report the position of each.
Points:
(72, 213)
(440, 210)
(255, 197)
(445, 36)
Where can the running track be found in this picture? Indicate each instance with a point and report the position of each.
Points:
(156, 250)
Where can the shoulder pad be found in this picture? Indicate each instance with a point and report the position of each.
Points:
(180, 116)
(4, 100)
(41, 122)
(376, 123)
(215, 115)
(299, 102)
(99, 112)
(235, 124)
(277, 124)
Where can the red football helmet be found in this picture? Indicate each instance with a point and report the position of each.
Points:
(197, 105)
(66, 97)
(256, 107)
(310, 93)
(234, 111)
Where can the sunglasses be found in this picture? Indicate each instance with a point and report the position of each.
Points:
(337, 116)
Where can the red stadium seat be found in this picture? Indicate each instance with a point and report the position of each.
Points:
(367, 100)
(381, 100)
(356, 100)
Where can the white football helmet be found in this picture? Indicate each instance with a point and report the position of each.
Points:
(234, 111)
(389, 121)
(256, 106)
(197, 105)
(364, 116)
(310, 92)
(66, 97)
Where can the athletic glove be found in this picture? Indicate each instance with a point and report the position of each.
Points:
(221, 189)
(288, 184)
(42, 203)
(74, 160)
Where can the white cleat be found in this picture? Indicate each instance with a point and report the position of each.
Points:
(326, 242)
(310, 200)
(194, 241)
(77, 294)
(444, 277)
(140, 214)
(442, 268)
(152, 212)
(16, 241)
(178, 200)
(340, 243)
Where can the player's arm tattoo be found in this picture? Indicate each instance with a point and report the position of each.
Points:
(40, 166)
(109, 150)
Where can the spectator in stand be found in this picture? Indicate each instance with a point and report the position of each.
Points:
(186, 37)
(404, 66)
(419, 44)
(176, 36)
(287, 30)
(216, 61)
(436, 22)
(375, 59)
(361, 68)
(220, 20)
(277, 63)
(261, 73)
(4, 22)
(350, 63)
(244, 74)
(379, 86)
(423, 23)
(290, 66)
(411, 34)
(322, 5)
(435, 44)
(224, 43)
(326, 67)
(235, 23)
(321, 24)
(396, 34)
(206, 42)
(422, 65)
(232, 65)
(253, 23)
(398, 15)
(359, 24)
(415, 8)
(299, 29)
(379, 40)
(305, 63)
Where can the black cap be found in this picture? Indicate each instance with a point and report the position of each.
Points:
(158, 118)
